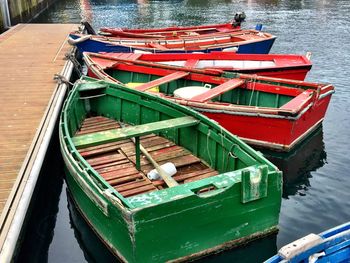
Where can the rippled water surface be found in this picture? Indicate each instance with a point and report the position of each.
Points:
(316, 176)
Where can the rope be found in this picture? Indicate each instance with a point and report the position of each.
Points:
(253, 80)
(77, 66)
(61, 79)
(211, 161)
(223, 148)
(230, 154)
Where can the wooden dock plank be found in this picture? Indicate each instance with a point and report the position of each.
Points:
(30, 54)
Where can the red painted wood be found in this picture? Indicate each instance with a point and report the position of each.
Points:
(286, 66)
(191, 63)
(299, 101)
(171, 32)
(269, 130)
(163, 80)
(229, 85)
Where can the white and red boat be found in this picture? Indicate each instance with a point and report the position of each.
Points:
(272, 65)
(267, 112)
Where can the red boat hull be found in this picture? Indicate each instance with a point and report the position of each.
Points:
(293, 67)
(273, 133)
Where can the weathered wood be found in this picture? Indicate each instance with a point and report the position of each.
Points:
(30, 54)
(133, 131)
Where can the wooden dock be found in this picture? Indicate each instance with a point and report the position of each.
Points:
(30, 55)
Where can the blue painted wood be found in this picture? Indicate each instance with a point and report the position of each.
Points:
(335, 245)
(92, 45)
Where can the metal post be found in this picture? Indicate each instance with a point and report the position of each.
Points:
(137, 153)
(4, 8)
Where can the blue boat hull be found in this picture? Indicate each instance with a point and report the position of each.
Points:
(334, 246)
(91, 45)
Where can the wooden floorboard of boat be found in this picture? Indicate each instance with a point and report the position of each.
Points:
(115, 161)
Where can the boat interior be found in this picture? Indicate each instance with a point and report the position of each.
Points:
(116, 161)
(240, 92)
(106, 122)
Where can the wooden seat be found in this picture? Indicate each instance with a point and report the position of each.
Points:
(103, 137)
(116, 161)
(162, 80)
(218, 90)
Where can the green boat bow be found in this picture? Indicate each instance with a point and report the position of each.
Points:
(236, 200)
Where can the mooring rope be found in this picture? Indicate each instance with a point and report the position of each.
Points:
(253, 80)
(62, 79)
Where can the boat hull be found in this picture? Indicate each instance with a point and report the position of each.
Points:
(329, 246)
(93, 45)
(158, 235)
(280, 134)
(273, 65)
(186, 220)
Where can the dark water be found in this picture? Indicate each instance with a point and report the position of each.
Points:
(316, 192)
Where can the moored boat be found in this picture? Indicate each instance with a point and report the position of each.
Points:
(332, 245)
(272, 65)
(242, 41)
(266, 112)
(175, 31)
(223, 192)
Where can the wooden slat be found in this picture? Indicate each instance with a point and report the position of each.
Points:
(162, 80)
(133, 131)
(191, 63)
(298, 102)
(30, 54)
(119, 169)
(218, 90)
(139, 190)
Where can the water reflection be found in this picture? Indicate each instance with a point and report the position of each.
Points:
(86, 11)
(94, 250)
(43, 217)
(298, 165)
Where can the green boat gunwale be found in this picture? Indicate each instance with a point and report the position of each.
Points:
(95, 180)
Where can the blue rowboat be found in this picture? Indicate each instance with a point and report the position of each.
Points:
(332, 245)
(242, 41)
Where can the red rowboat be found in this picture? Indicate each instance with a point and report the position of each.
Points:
(175, 32)
(277, 66)
(266, 112)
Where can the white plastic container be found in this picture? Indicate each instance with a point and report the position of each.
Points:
(188, 93)
(168, 168)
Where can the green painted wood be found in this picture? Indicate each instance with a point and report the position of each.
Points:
(254, 184)
(138, 228)
(98, 138)
(137, 153)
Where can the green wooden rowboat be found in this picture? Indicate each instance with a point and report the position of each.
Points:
(223, 194)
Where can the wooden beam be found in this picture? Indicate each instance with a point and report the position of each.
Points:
(98, 138)
(218, 90)
(173, 76)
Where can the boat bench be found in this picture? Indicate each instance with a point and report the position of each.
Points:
(154, 83)
(218, 90)
(97, 138)
(297, 103)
